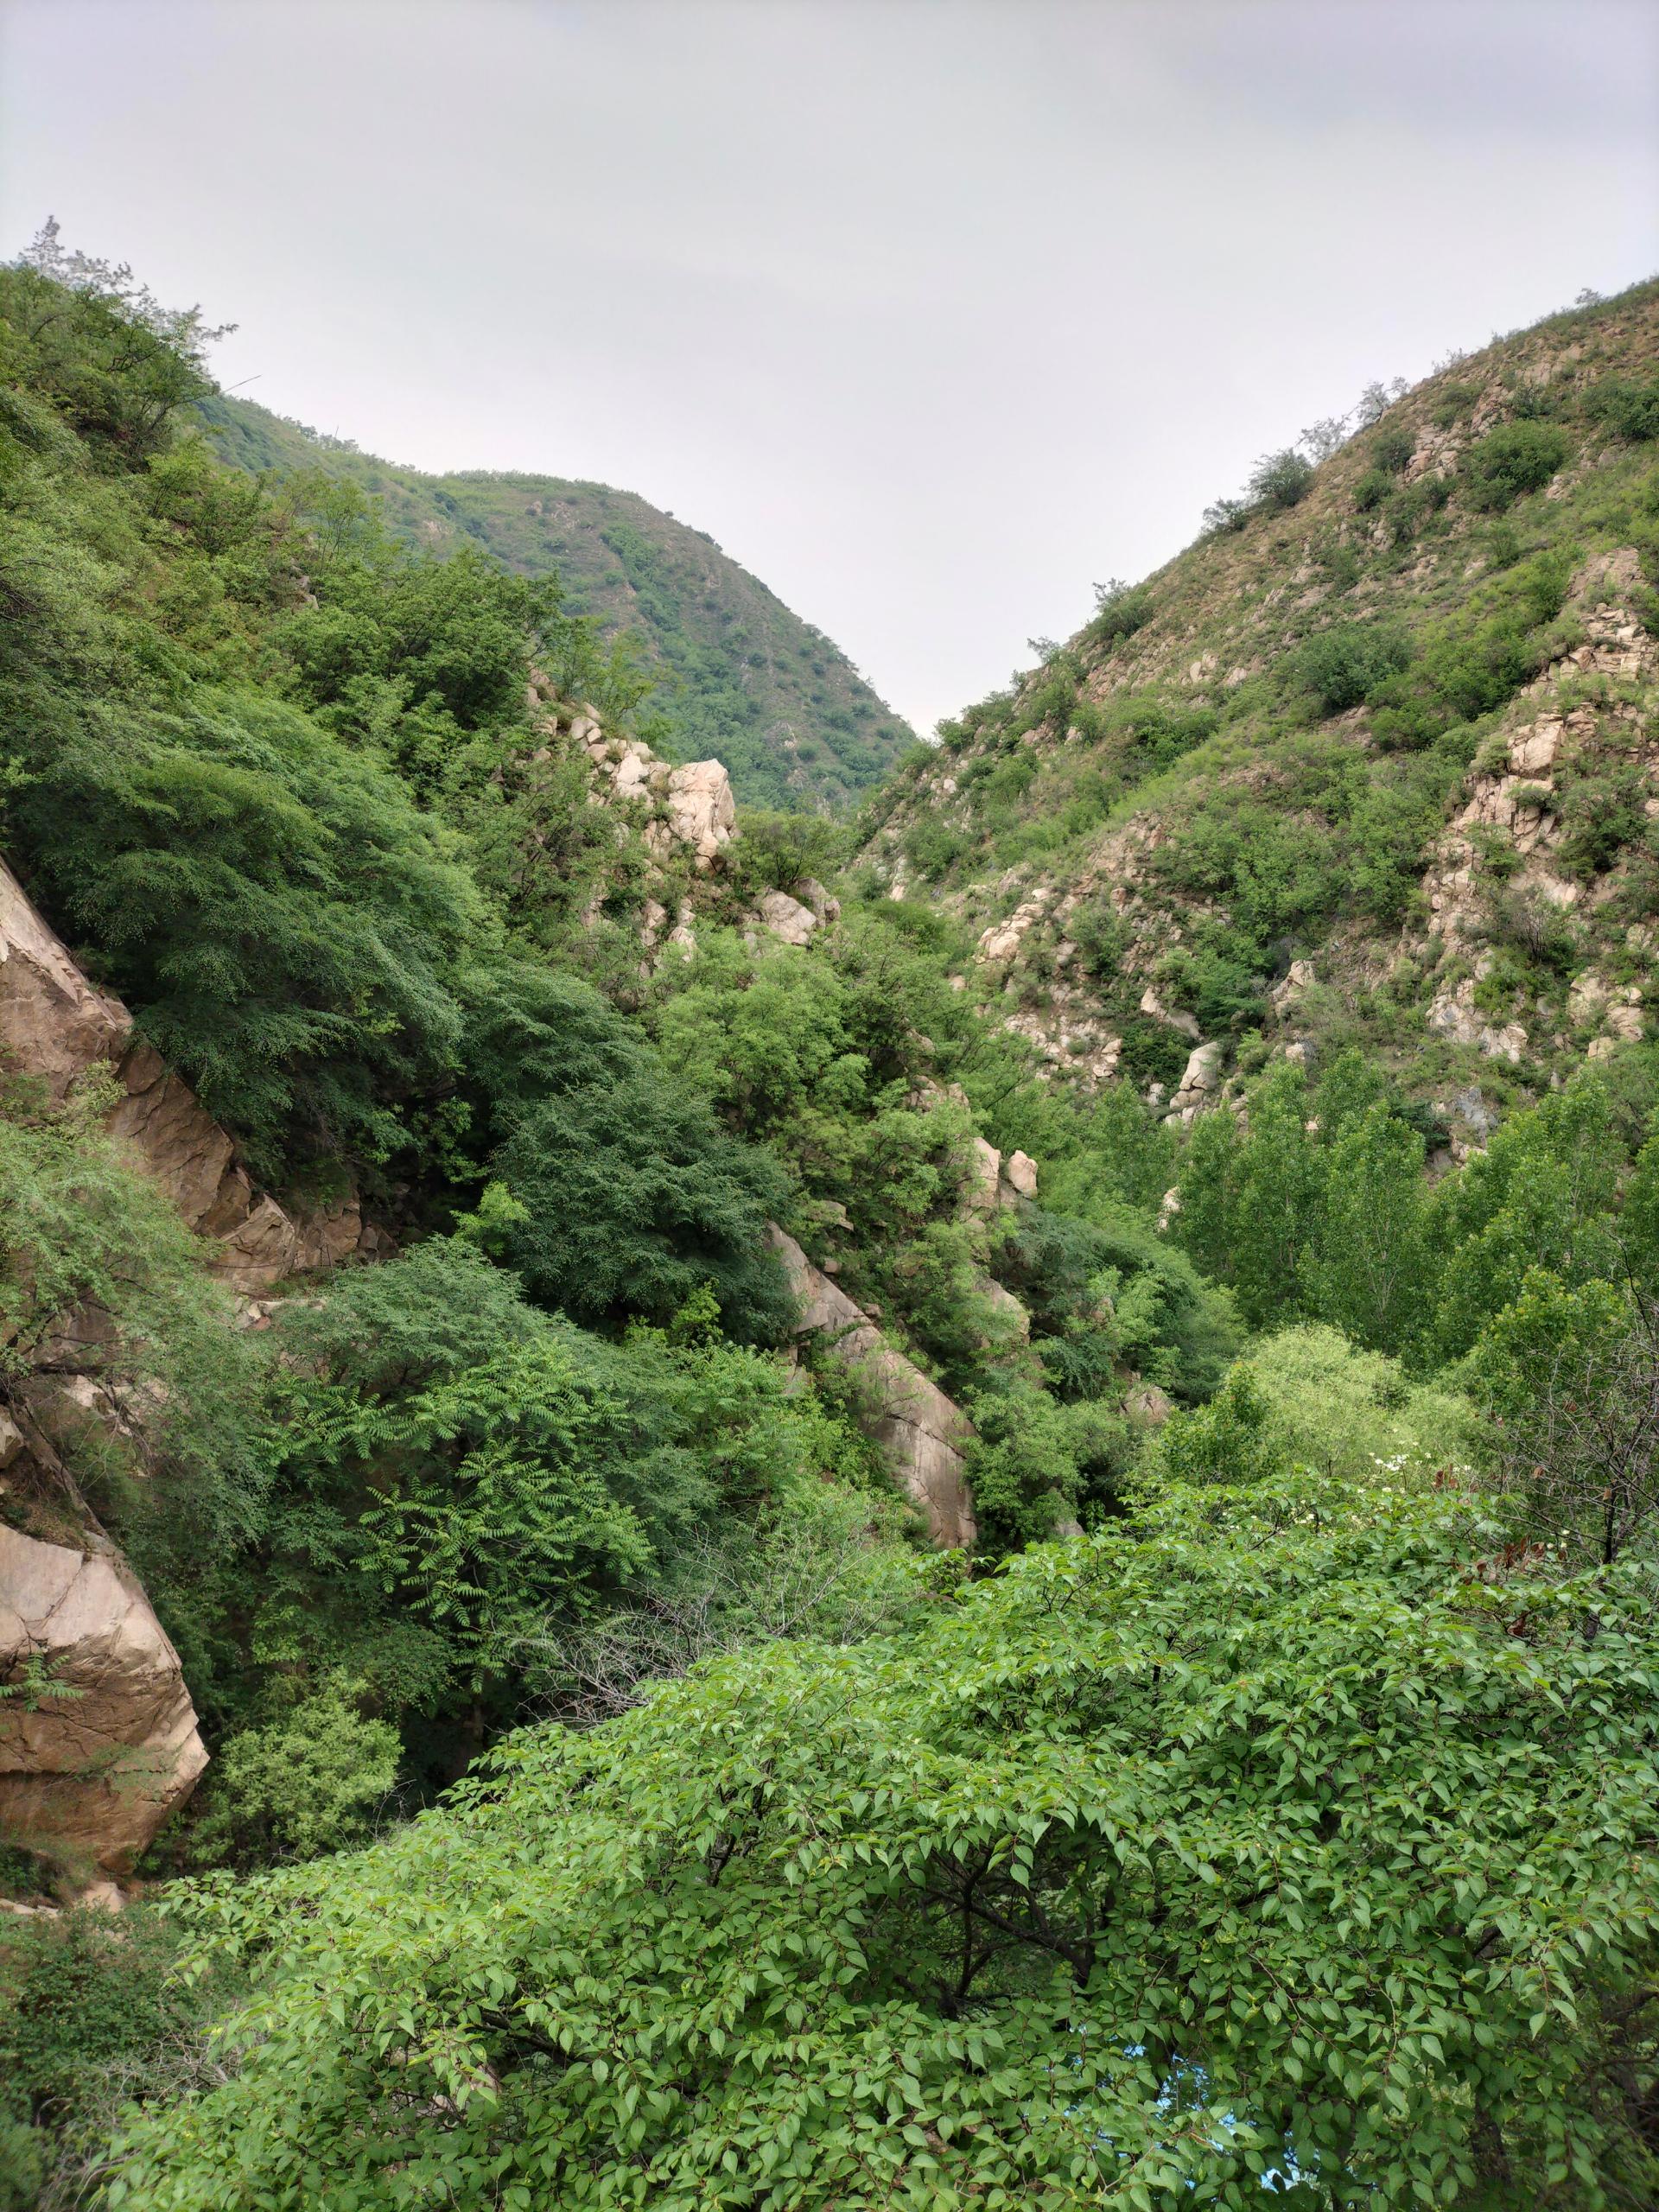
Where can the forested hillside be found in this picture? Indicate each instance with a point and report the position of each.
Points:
(822, 1560)
(737, 673)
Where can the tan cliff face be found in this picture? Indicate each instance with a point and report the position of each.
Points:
(56, 1026)
(921, 1434)
(92, 1763)
(98, 1741)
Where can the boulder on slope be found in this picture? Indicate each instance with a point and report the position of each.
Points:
(920, 1432)
(98, 1741)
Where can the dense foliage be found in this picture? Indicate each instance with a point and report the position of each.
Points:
(1264, 1836)
(611, 1802)
(738, 674)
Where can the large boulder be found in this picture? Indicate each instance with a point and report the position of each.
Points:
(921, 1434)
(53, 1024)
(701, 812)
(786, 917)
(97, 1740)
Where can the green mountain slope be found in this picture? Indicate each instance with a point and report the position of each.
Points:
(742, 678)
(1374, 762)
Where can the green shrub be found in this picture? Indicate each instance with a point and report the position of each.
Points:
(1629, 411)
(749, 1904)
(1453, 402)
(1510, 461)
(1099, 935)
(933, 846)
(1226, 1441)
(1340, 665)
(1280, 480)
(1216, 980)
(82, 1231)
(1412, 506)
(1354, 1413)
(93, 2019)
(309, 1782)
(1503, 545)
(1601, 816)
(286, 925)
(1373, 487)
(1391, 449)
(1121, 609)
(633, 1197)
(1227, 515)
(1153, 1052)
(117, 368)
(1466, 667)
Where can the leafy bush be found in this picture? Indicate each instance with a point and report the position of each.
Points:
(1629, 411)
(1465, 667)
(1340, 665)
(309, 1782)
(1355, 1414)
(971, 1911)
(1411, 507)
(1227, 514)
(1601, 814)
(116, 366)
(93, 2019)
(1513, 459)
(933, 847)
(1373, 487)
(286, 923)
(1121, 609)
(455, 1482)
(1226, 1441)
(633, 1197)
(1153, 1052)
(1099, 936)
(1161, 729)
(82, 1232)
(1280, 480)
(1453, 402)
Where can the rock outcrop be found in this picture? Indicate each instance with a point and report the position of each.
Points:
(97, 1736)
(97, 1740)
(921, 1434)
(786, 917)
(1199, 1081)
(690, 806)
(55, 1026)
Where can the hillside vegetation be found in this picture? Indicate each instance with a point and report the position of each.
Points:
(737, 673)
(1370, 764)
(614, 1798)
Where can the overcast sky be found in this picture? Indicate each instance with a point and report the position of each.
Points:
(932, 311)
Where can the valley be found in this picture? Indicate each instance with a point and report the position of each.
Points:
(709, 1501)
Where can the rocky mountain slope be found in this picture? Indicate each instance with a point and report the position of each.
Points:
(93, 1766)
(789, 716)
(1375, 761)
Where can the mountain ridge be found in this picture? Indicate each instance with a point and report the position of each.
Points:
(742, 676)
